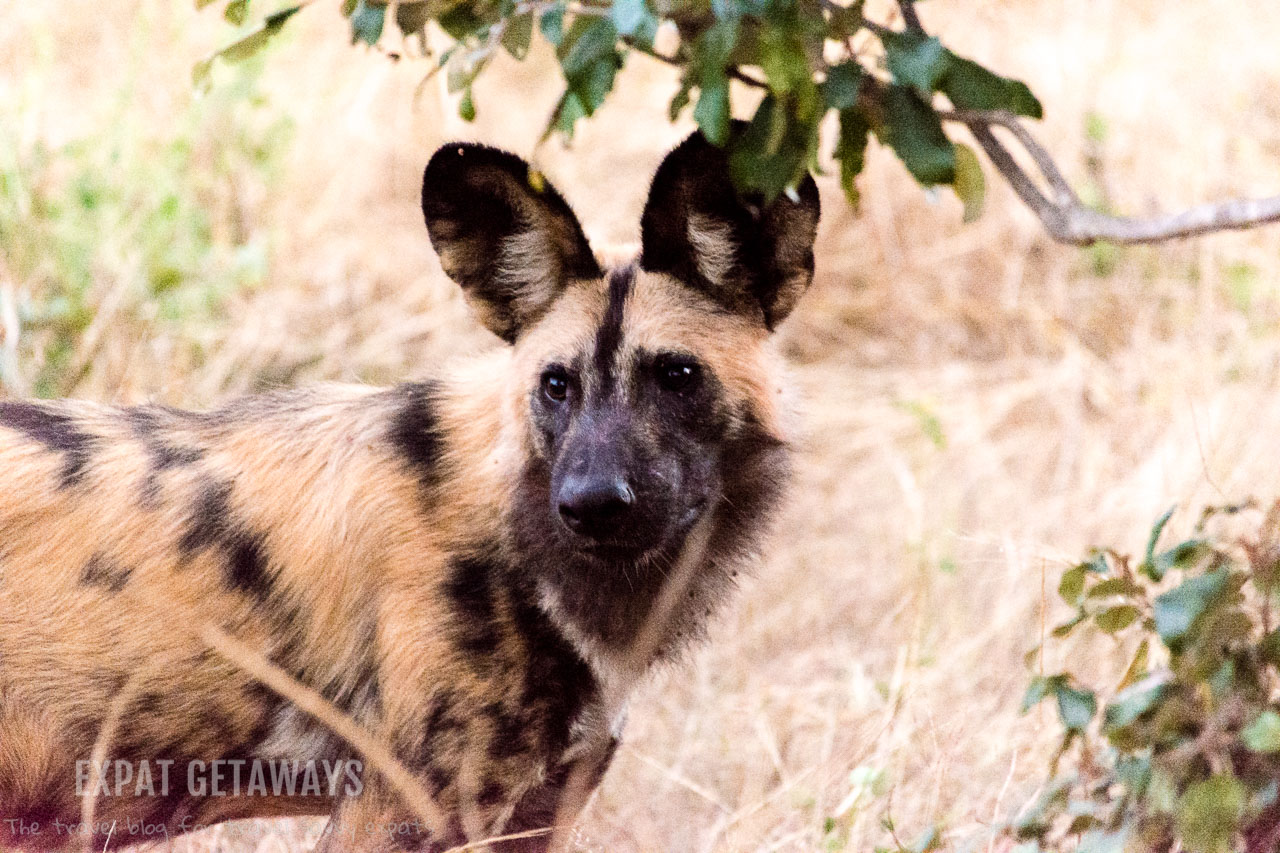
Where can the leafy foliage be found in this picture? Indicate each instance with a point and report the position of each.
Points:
(1184, 752)
(811, 57)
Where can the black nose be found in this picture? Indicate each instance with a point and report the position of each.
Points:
(595, 507)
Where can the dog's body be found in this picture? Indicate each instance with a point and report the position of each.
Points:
(464, 566)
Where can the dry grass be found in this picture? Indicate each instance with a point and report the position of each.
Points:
(982, 405)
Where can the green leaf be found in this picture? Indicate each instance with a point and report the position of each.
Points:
(200, 74)
(851, 150)
(1184, 555)
(840, 89)
(1177, 610)
(783, 58)
(588, 41)
(1209, 814)
(200, 4)
(1076, 707)
(1134, 701)
(594, 85)
(1067, 627)
(1148, 566)
(460, 22)
(1098, 564)
(773, 151)
(1113, 586)
(970, 184)
(632, 16)
(1117, 618)
(914, 132)
(1134, 772)
(518, 35)
(551, 24)
(1138, 666)
(590, 62)
(237, 12)
(845, 21)
(1263, 734)
(681, 98)
(916, 61)
(467, 107)
(366, 22)
(972, 87)
(1071, 587)
(255, 41)
(712, 110)
(1038, 689)
(566, 115)
(413, 17)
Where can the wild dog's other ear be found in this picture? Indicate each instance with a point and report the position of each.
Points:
(748, 256)
(502, 233)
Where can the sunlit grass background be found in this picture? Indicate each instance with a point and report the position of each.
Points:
(982, 405)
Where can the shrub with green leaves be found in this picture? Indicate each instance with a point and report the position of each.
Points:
(1183, 753)
(809, 57)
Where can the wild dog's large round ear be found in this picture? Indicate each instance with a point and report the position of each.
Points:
(748, 256)
(503, 234)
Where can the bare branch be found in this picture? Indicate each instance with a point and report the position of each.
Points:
(1068, 220)
(909, 15)
(1043, 160)
(1064, 216)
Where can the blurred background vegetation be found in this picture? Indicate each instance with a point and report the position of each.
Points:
(980, 404)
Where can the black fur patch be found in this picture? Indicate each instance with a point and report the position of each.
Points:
(509, 738)
(470, 590)
(150, 426)
(56, 431)
(210, 518)
(246, 565)
(441, 730)
(415, 432)
(558, 683)
(609, 335)
(492, 793)
(102, 572)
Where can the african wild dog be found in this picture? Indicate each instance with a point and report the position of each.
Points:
(460, 564)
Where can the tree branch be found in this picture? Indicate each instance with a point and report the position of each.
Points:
(676, 62)
(1064, 216)
(1068, 220)
(909, 15)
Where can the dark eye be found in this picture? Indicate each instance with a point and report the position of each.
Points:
(555, 384)
(677, 375)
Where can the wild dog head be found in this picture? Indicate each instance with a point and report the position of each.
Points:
(647, 392)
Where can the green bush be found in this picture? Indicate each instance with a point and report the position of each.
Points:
(1183, 753)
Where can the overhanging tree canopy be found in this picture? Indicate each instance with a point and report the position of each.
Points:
(809, 57)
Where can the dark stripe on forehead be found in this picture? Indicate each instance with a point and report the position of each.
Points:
(609, 335)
